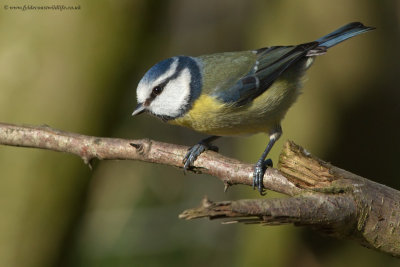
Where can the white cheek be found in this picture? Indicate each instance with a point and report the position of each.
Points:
(174, 97)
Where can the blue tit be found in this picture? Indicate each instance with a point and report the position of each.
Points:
(233, 93)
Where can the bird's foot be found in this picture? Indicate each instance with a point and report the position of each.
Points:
(258, 174)
(194, 152)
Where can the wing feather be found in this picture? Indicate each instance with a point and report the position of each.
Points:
(271, 62)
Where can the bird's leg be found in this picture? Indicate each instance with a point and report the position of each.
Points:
(262, 164)
(197, 149)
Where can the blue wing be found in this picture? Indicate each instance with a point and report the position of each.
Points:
(273, 61)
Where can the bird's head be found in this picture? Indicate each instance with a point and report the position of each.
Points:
(169, 88)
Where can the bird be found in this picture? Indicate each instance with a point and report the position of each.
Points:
(233, 93)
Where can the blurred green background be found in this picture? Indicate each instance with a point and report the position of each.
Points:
(78, 70)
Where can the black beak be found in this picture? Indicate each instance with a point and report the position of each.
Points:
(138, 110)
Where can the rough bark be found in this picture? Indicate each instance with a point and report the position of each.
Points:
(322, 196)
(330, 200)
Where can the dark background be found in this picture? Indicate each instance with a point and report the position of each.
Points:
(78, 71)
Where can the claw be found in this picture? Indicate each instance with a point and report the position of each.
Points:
(269, 163)
(258, 175)
(262, 164)
(194, 152)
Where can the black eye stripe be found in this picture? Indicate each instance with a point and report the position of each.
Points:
(156, 91)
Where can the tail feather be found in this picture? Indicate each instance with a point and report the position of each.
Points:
(342, 34)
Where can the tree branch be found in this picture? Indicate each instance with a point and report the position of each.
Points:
(330, 200)
(228, 170)
(322, 196)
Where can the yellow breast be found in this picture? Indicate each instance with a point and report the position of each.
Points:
(211, 116)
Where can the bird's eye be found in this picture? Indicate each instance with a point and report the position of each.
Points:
(157, 90)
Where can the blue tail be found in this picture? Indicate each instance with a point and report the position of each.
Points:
(342, 34)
